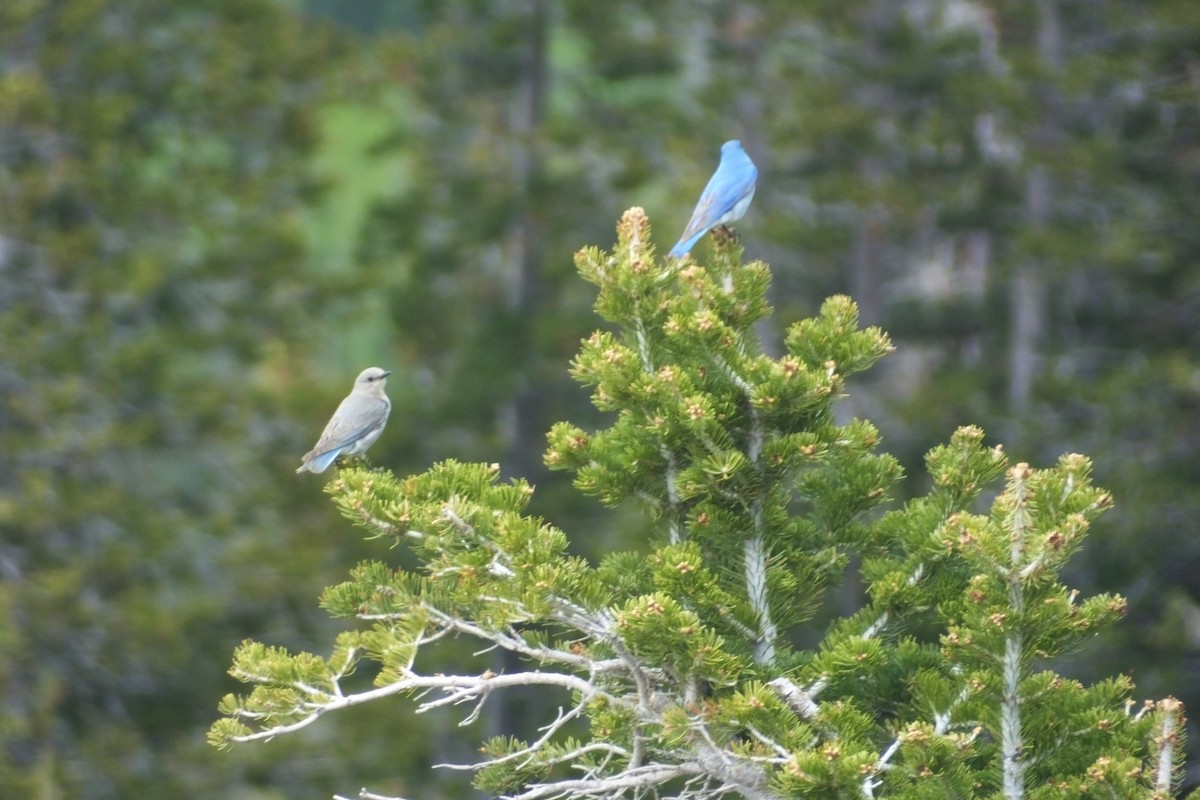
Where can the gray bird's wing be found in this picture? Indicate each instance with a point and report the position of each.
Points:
(356, 416)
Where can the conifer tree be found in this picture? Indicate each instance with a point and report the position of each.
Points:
(687, 669)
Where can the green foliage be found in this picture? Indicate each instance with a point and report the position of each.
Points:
(167, 298)
(724, 437)
(684, 658)
(899, 170)
(156, 316)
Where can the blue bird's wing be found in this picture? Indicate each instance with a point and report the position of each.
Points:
(729, 185)
(704, 217)
(321, 462)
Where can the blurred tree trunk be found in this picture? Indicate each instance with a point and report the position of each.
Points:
(522, 418)
(524, 429)
(1028, 299)
(1028, 289)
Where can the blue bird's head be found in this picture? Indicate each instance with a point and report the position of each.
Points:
(731, 147)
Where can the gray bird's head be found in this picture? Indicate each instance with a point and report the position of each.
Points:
(372, 380)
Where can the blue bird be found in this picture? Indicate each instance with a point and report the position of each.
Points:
(725, 199)
(356, 424)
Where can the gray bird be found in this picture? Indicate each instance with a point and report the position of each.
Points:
(355, 425)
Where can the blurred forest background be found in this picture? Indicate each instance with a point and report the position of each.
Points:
(213, 215)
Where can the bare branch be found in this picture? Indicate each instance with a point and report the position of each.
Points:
(458, 689)
(363, 794)
(796, 698)
(646, 777)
